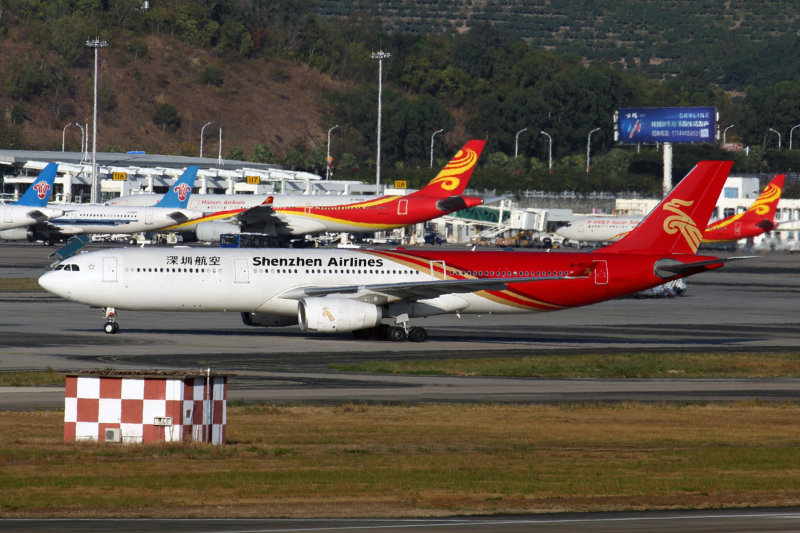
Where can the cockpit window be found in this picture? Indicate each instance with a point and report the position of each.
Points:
(71, 267)
(59, 267)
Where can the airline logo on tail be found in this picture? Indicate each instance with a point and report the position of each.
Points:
(682, 222)
(182, 190)
(449, 178)
(762, 205)
(42, 189)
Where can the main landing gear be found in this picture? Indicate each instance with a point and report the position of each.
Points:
(397, 333)
(111, 327)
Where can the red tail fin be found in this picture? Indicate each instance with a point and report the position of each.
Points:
(454, 177)
(760, 217)
(676, 225)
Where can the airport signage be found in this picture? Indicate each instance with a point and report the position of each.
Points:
(665, 124)
(400, 184)
(119, 176)
(253, 180)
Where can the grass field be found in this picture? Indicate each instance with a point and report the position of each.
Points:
(603, 366)
(415, 460)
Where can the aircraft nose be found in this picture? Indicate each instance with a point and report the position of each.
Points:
(49, 282)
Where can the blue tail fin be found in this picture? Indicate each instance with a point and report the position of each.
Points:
(38, 194)
(178, 194)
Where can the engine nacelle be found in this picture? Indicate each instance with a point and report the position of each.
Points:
(210, 231)
(337, 314)
(17, 234)
(268, 320)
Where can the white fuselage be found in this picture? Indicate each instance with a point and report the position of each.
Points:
(82, 219)
(598, 229)
(16, 216)
(214, 203)
(234, 279)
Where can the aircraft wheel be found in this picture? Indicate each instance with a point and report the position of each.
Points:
(417, 334)
(362, 333)
(111, 328)
(132, 242)
(397, 334)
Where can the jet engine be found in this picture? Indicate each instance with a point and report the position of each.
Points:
(210, 231)
(337, 314)
(268, 320)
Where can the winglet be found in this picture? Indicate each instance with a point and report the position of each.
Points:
(178, 195)
(454, 177)
(676, 225)
(38, 194)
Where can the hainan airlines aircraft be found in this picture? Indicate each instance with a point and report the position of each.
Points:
(333, 290)
(295, 216)
(32, 206)
(79, 219)
(758, 219)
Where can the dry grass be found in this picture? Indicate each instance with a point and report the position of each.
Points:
(630, 365)
(376, 460)
(19, 284)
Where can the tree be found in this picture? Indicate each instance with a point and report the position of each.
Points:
(167, 117)
(262, 153)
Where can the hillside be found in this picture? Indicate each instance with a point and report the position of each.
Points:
(655, 37)
(258, 101)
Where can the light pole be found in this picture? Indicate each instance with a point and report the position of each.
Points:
(95, 182)
(84, 141)
(201, 137)
(779, 137)
(725, 135)
(328, 159)
(432, 136)
(790, 135)
(549, 152)
(516, 142)
(380, 56)
(219, 158)
(589, 148)
(64, 133)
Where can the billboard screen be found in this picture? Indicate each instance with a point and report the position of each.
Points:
(666, 124)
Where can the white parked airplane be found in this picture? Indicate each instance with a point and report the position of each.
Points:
(333, 290)
(31, 207)
(81, 219)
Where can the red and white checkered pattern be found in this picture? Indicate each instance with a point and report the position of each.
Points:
(96, 402)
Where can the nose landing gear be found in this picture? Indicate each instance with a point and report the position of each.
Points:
(111, 327)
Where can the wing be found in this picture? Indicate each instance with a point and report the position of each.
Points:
(423, 290)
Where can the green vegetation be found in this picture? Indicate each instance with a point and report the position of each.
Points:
(647, 365)
(31, 379)
(557, 66)
(420, 460)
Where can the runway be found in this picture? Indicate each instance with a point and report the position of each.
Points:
(700, 521)
(748, 306)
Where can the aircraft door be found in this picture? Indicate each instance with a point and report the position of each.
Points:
(601, 273)
(148, 216)
(737, 228)
(402, 206)
(8, 218)
(442, 266)
(110, 269)
(241, 272)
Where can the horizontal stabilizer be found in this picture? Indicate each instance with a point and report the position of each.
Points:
(667, 268)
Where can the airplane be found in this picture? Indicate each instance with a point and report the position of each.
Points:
(32, 206)
(356, 290)
(79, 219)
(296, 216)
(758, 219)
